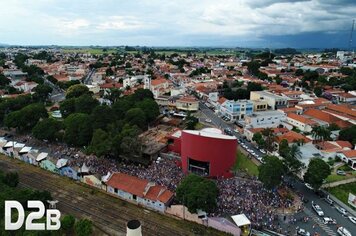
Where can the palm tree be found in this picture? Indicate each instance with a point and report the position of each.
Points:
(321, 133)
(294, 151)
(270, 138)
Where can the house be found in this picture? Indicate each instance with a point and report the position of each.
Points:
(293, 137)
(265, 119)
(259, 105)
(347, 98)
(236, 110)
(302, 123)
(349, 157)
(160, 87)
(187, 103)
(327, 117)
(140, 191)
(274, 101)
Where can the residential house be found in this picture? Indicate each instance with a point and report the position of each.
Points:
(302, 123)
(187, 103)
(140, 191)
(349, 157)
(274, 101)
(265, 119)
(236, 110)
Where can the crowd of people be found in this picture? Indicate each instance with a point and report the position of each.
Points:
(239, 196)
(236, 195)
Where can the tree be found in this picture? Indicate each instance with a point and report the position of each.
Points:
(101, 117)
(271, 171)
(321, 133)
(141, 94)
(299, 72)
(85, 104)
(76, 91)
(197, 192)
(318, 170)
(253, 67)
(284, 148)
(291, 161)
(4, 80)
(252, 86)
(67, 223)
(109, 72)
(26, 118)
(150, 108)
(100, 143)
(130, 145)
(83, 227)
(47, 129)
(135, 116)
(113, 95)
(78, 130)
(191, 121)
(258, 138)
(11, 179)
(270, 137)
(278, 79)
(67, 107)
(348, 134)
(318, 91)
(42, 92)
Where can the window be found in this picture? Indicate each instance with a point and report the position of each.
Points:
(134, 197)
(116, 190)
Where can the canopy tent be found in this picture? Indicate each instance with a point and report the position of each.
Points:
(9, 144)
(106, 177)
(241, 220)
(41, 156)
(61, 163)
(84, 169)
(19, 145)
(25, 150)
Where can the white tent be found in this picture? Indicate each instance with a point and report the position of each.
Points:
(84, 169)
(25, 149)
(19, 145)
(42, 156)
(61, 163)
(106, 177)
(9, 144)
(241, 220)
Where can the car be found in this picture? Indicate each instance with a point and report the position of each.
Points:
(317, 209)
(262, 151)
(341, 210)
(308, 186)
(328, 200)
(302, 232)
(340, 172)
(343, 231)
(352, 219)
(208, 120)
(321, 193)
(329, 221)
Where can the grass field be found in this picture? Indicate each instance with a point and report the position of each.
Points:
(334, 177)
(342, 191)
(95, 51)
(243, 163)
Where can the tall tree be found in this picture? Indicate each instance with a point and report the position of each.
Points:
(318, 170)
(258, 138)
(42, 92)
(135, 116)
(270, 137)
(197, 192)
(271, 172)
(76, 91)
(83, 227)
(101, 143)
(85, 104)
(150, 108)
(78, 130)
(291, 161)
(47, 129)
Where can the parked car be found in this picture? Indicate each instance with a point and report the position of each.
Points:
(352, 219)
(343, 231)
(302, 232)
(321, 193)
(208, 120)
(308, 186)
(340, 172)
(328, 200)
(329, 221)
(262, 151)
(341, 210)
(317, 209)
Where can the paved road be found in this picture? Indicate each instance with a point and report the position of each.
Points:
(87, 79)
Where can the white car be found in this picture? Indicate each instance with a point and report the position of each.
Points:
(343, 231)
(302, 232)
(208, 120)
(308, 186)
(352, 219)
(317, 209)
(262, 151)
(328, 220)
(341, 210)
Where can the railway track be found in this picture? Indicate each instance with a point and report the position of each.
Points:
(108, 215)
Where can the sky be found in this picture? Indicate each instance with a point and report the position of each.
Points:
(213, 23)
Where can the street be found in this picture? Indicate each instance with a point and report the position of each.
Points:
(314, 219)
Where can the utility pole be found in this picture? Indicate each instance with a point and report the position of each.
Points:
(351, 34)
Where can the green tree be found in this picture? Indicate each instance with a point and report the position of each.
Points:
(83, 227)
(318, 170)
(141, 94)
(284, 148)
(253, 67)
(191, 121)
(299, 72)
(113, 95)
(4, 80)
(26, 118)
(258, 138)
(11, 179)
(67, 107)
(78, 130)
(291, 161)
(135, 116)
(67, 223)
(121, 106)
(42, 92)
(196, 192)
(101, 143)
(101, 117)
(76, 91)
(47, 129)
(348, 134)
(252, 86)
(85, 104)
(150, 108)
(271, 172)
(130, 145)
(318, 91)
(321, 133)
(270, 137)
(109, 72)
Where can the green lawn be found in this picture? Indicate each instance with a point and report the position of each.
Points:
(342, 191)
(243, 163)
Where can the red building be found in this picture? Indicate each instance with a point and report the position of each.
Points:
(206, 152)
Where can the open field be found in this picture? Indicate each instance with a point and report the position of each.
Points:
(243, 163)
(108, 213)
(95, 51)
(342, 191)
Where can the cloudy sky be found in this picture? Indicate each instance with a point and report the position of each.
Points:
(230, 23)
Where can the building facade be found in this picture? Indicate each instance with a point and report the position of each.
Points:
(236, 110)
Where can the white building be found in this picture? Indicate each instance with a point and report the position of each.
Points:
(274, 101)
(265, 119)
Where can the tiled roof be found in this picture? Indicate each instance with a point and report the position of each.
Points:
(137, 186)
(342, 109)
(292, 136)
(301, 119)
(329, 118)
(350, 153)
(156, 82)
